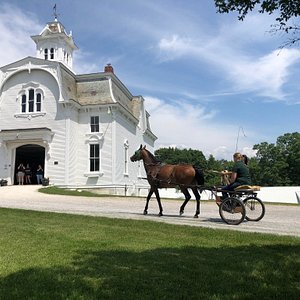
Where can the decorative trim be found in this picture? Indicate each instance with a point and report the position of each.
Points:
(111, 91)
(93, 174)
(30, 84)
(94, 137)
(29, 116)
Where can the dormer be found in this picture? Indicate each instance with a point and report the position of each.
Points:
(53, 43)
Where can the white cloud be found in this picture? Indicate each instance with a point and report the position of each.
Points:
(175, 47)
(265, 75)
(81, 64)
(16, 27)
(248, 151)
(192, 126)
(253, 30)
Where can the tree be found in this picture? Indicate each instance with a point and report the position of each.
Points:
(289, 145)
(278, 164)
(287, 9)
(271, 165)
(254, 169)
(210, 177)
(177, 156)
(275, 164)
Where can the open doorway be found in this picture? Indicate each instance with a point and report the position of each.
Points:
(31, 154)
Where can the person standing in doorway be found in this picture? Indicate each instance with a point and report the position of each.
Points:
(27, 174)
(21, 174)
(39, 174)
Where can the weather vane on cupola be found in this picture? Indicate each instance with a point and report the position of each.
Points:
(55, 14)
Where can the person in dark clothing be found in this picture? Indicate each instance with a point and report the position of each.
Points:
(27, 174)
(240, 175)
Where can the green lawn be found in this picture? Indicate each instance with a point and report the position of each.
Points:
(59, 256)
(53, 190)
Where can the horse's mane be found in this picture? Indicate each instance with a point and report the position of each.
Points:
(155, 160)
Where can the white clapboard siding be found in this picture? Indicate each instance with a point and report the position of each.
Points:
(62, 127)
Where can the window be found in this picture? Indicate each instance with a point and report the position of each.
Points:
(94, 143)
(94, 158)
(126, 161)
(31, 101)
(46, 53)
(38, 102)
(23, 104)
(95, 124)
(126, 146)
(52, 53)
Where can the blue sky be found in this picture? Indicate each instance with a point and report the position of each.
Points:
(207, 78)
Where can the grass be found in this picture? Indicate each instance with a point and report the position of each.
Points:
(59, 256)
(53, 190)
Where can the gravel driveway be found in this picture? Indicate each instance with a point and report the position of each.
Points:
(279, 219)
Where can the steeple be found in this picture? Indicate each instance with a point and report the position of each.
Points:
(53, 43)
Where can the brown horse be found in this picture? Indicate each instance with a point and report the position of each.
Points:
(160, 175)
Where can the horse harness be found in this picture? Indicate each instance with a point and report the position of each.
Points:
(153, 172)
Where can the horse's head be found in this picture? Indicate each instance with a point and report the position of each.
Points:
(137, 154)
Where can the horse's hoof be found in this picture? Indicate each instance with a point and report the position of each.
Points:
(181, 212)
(160, 214)
(145, 212)
(196, 216)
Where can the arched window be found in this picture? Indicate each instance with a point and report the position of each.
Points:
(23, 104)
(38, 102)
(31, 100)
(52, 53)
(46, 53)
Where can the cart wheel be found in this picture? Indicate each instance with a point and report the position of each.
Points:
(232, 211)
(255, 209)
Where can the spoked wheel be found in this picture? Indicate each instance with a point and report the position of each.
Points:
(255, 209)
(232, 211)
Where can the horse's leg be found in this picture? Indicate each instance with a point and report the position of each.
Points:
(159, 202)
(147, 200)
(197, 196)
(187, 199)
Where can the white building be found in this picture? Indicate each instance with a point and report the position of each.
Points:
(81, 128)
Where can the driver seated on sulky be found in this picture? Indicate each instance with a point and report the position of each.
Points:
(239, 175)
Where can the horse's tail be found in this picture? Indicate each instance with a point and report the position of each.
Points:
(199, 175)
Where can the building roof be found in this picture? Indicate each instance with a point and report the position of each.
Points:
(53, 30)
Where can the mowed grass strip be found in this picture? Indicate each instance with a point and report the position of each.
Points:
(53, 190)
(59, 256)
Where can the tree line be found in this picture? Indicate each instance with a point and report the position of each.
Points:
(275, 164)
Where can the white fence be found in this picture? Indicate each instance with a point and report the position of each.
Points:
(276, 194)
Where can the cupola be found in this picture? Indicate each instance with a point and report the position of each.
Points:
(53, 43)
